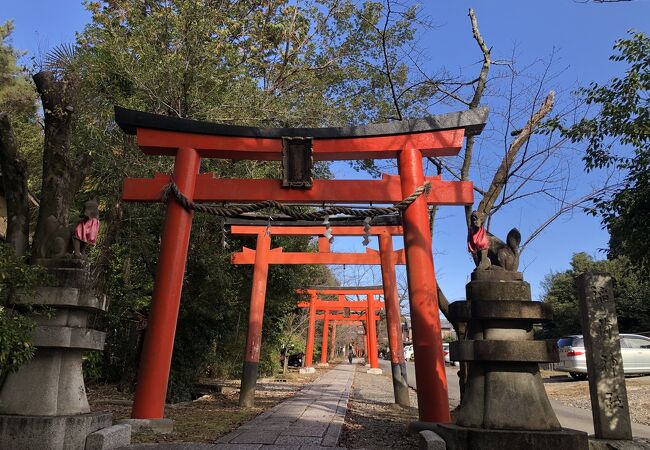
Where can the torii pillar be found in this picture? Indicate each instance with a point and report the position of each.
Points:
(153, 372)
(255, 318)
(433, 403)
(311, 333)
(323, 351)
(371, 326)
(333, 347)
(393, 321)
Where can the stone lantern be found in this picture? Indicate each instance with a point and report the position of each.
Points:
(44, 404)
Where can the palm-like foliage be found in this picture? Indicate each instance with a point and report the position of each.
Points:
(60, 59)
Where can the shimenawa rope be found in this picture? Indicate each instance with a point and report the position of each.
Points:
(233, 211)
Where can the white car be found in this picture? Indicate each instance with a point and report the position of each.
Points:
(445, 349)
(408, 353)
(635, 350)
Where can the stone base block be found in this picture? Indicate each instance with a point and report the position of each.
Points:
(462, 438)
(50, 432)
(160, 426)
(323, 365)
(375, 371)
(51, 384)
(609, 444)
(109, 438)
(307, 370)
(431, 441)
(68, 272)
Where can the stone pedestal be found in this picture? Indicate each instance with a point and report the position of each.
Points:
(504, 399)
(44, 404)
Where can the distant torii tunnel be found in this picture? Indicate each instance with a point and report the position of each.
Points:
(370, 306)
(264, 255)
(188, 141)
(337, 318)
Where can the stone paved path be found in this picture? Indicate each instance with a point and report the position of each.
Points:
(311, 420)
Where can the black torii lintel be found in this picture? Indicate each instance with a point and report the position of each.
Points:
(472, 120)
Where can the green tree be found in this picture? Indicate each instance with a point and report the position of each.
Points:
(18, 98)
(272, 63)
(630, 288)
(619, 137)
(18, 127)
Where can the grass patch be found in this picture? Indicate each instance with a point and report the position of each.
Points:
(207, 418)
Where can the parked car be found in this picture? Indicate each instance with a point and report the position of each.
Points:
(635, 350)
(445, 349)
(295, 360)
(408, 352)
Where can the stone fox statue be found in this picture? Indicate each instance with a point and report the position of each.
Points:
(490, 252)
(73, 239)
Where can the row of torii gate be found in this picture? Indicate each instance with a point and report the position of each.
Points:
(386, 257)
(357, 312)
(407, 141)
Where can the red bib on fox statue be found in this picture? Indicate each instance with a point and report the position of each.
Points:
(87, 230)
(85, 233)
(477, 239)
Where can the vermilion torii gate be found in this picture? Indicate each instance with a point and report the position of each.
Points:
(333, 319)
(383, 227)
(188, 141)
(370, 305)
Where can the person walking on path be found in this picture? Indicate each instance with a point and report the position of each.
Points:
(350, 354)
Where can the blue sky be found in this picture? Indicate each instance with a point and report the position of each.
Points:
(580, 34)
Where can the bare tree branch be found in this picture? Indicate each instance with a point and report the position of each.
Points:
(384, 49)
(438, 162)
(476, 100)
(501, 176)
(562, 210)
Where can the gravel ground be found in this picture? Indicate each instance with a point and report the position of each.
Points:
(576, 393)
(373, 421)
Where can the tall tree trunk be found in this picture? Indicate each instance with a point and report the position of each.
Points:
(63, 172)
(14, 182)
(114, 224)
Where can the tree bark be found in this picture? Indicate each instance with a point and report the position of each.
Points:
(113, 227)
(63, 173)
(14, 182)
